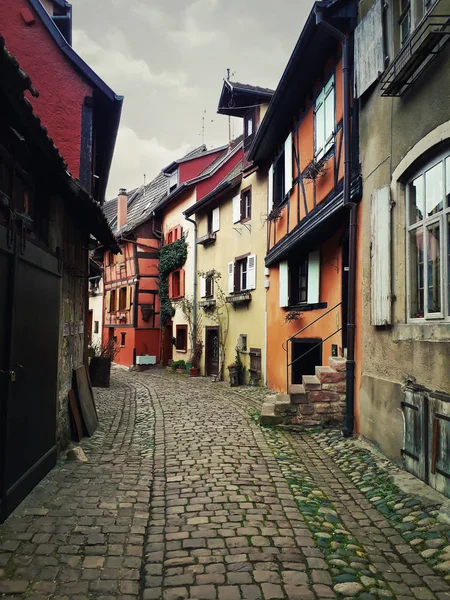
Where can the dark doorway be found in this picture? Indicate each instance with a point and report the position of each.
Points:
(212, 351)
(167, 352)
(306, 365)
(28, 366)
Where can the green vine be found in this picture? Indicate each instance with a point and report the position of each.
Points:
(173, 256)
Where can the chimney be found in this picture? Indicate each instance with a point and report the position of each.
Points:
(122, 201)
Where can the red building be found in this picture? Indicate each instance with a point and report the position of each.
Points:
(131, 279)
(80, 112)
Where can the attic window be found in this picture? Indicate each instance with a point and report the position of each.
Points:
(173, 180)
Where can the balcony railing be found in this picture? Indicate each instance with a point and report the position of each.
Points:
(424, 44)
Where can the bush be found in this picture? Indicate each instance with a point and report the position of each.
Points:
(178, 364)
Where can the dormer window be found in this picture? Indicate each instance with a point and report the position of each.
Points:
(249, 123)
(173, 180)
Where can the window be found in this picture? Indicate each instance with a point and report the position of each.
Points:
(405, 20)
(113, 301)
(324, 120)
(278, 181)
(299, 280)
(249, 123)
(123, 337)
(242, 274)
(122, 298)
(209, 286)
(96, 326)
(246, 204)
(428, 198)
(176, 284)
(181, 338)
(214, 221)
(170, 237)
(173, 180)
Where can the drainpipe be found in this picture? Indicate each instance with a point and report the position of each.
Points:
(350, 365)
(194, 307)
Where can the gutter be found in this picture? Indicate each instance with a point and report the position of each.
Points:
(350, 364)
(194, 303)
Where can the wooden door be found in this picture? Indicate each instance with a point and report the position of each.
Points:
(212, 351)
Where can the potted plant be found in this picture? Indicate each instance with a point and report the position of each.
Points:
(100, 365)
(195, 359)
(233, 373)
(179, 366)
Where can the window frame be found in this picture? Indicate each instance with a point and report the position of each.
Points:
(209, 286)
(176, 278)
(443, 219)
(123, 339)
(278, 181)
(179, 328)
(122, 298)
(113, 301)
(321, 101)
(294, 273)
(246, 192)
(405, 13)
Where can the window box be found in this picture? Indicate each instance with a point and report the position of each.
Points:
(207, 304)
(417, 52)
(207, 240)
(239, 298)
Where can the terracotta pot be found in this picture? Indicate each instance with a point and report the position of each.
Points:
(194, 372)
(182, 370)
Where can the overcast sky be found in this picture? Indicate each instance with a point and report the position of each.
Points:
(169, 57)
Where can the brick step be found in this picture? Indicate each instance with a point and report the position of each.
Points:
(338, 363)
(268, 416)
(329, 375)
(311, 382)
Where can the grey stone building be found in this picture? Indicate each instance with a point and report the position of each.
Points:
(403, 86)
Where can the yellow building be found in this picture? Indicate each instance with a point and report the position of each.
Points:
(231, 246)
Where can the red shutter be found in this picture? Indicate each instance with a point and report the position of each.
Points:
(170, 286)
(182, 284)
(180, 231)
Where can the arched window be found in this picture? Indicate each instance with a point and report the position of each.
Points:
(428, 243)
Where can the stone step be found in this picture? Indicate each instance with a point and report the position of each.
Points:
(296, 388)
(283, 405)
(268, 416)
(311, 382)
(329, 375)
(338, 363)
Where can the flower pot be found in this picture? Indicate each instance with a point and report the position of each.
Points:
(194, 372)
(100, 372)
(181, 370)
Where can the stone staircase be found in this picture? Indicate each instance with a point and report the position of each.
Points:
(318, 400)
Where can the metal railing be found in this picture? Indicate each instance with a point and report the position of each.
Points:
(285, 345)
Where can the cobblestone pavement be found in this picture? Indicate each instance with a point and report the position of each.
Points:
(186, 496)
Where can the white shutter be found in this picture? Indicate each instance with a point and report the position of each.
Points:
(230, 277)
(330, 114)
(288, 165)
(270, 191)
(237, 209)
(251, 272)
(202, 286)
(319, 128)
(313, 277)
(380, 257)
(216, 220)
(284, 283)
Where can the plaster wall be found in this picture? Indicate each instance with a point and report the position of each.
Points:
(232, 240)
(96, 305)
(172, 218)
(61, 89)
(397, 136)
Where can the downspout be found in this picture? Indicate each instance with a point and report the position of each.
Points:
(350, 365)
(194, 307)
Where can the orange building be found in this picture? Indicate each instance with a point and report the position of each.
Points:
(308, 143)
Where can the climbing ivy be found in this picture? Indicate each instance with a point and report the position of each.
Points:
(173, 256)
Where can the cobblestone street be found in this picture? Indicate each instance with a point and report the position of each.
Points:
(184, 495)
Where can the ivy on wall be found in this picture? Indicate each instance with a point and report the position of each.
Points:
(173, 256)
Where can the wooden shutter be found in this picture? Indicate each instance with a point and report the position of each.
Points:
(314, 277)
(251, 272)
(369, 48)
(182, 283)
(380, 257)
(129, 290)
(284, 283)
(170, 285)
(288, 165)
(216, 220)
(108, 301)
(237, 209)
(270, 191)
(117, 299)
(202, 287)
(230, 277)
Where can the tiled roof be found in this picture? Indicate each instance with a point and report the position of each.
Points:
(251, 88)
(227, 149)
(237, 170)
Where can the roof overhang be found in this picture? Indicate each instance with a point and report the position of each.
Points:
(109, 106)
(234, 100)
(214, 195)
(314, 47)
